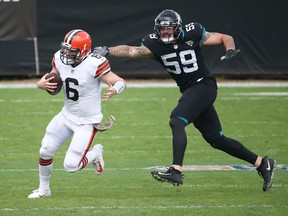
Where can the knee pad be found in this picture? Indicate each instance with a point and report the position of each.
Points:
(48, 147)
(177, 122)
(71, 165)
(45, 153)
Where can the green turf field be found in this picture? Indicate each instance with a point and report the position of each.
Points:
(141, 139)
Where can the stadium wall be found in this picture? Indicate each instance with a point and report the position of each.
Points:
(257, 26)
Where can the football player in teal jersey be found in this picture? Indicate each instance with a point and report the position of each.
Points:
(178, 48)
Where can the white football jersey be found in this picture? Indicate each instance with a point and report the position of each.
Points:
(81, 84)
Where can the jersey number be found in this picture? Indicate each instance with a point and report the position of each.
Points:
(189, 27)
(187, 64)
(71, 93)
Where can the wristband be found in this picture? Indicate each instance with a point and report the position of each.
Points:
(119, 86)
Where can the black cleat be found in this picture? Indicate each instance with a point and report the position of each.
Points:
(265, 170)
(172, 176)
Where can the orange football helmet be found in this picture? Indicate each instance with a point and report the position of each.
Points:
(75, 47)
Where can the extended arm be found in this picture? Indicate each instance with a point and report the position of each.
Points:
(124, 51)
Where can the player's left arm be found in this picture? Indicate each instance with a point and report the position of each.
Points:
(215, 38)
(115, 84)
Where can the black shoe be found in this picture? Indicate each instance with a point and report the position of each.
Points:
(265, 170)
(172, 176)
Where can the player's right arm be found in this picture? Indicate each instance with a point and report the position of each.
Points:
(130, 51)
(124, 51)
(44, 83)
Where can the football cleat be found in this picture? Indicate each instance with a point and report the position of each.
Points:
(98, 163)
(265, 170)
(37, 193)
(172, 176)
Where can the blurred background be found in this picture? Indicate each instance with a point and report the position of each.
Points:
(31, 32)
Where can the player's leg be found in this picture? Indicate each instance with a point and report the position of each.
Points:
(79, 153)
(56, 135)
(209, 125)
(191, 104)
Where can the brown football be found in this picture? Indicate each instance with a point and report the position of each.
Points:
(56, 79)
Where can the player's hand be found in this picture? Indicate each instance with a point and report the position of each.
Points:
(45, 84)
(103, 51)
(230, 54)
(109, 92)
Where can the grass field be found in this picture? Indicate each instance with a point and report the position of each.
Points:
(141, 139)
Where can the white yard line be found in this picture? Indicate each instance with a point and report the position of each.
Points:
(168, 84)
(171, 206)
(261, 94)
(162, 168)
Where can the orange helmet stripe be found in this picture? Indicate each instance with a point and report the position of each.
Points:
(69, 37)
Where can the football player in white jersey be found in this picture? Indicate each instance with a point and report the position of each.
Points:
(81, 74)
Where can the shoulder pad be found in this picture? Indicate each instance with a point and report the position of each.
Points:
(193, 31)
(96, 59)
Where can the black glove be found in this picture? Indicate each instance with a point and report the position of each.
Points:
(103, 51)
(230, 54)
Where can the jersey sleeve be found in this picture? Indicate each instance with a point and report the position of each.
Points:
(151, 42)
(55, 59)
(53, 62)
(194, 31)
(148, 39)
(103, 68)
(201, 30)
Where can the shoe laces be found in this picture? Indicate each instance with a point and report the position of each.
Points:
(172, 170)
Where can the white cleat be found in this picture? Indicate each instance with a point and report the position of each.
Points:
(39, 194)
(98, 163)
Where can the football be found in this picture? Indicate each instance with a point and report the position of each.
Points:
(56, 79)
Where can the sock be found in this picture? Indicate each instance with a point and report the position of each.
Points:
(91, 155)
(45, 171)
